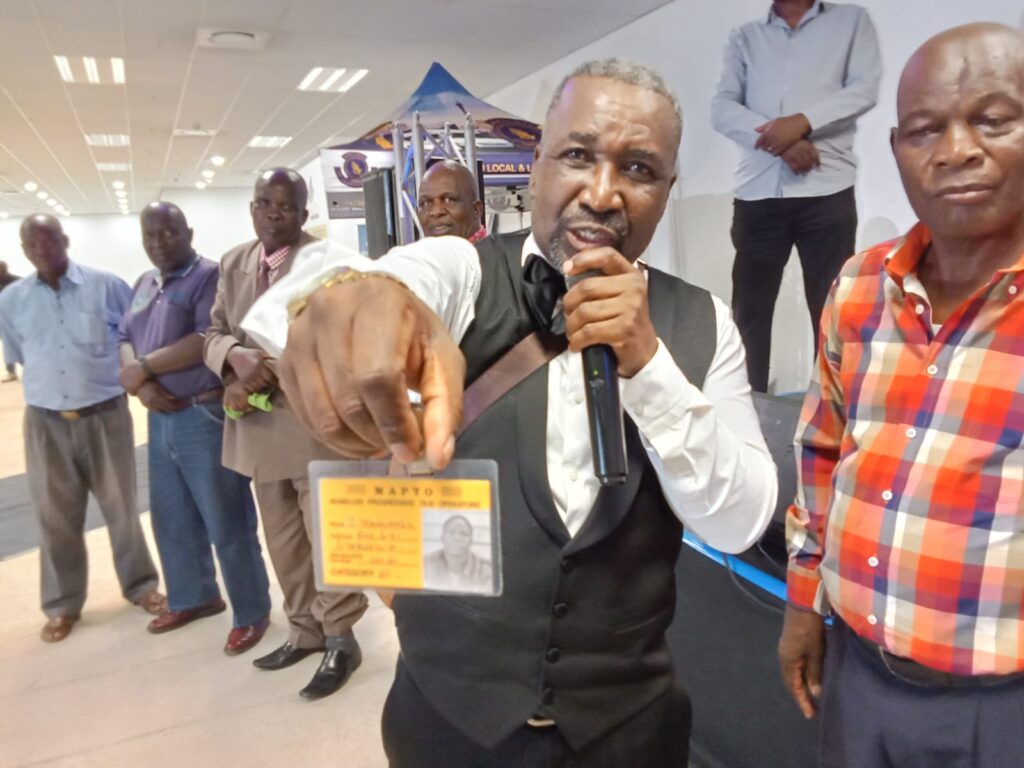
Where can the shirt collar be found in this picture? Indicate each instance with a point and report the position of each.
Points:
(273, 260)
(907, 252)
(479, 235)
(776, 20)
(73, 274)
(161, 279)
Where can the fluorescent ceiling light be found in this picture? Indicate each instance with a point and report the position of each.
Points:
(4, 215)
(117, 70)
(120, 193)
(217, 160)
(331, 79)
(91, 71)
(31, 186)
(307, 81)
(269, 141)
(117, 184)
(51, 202)
(64, 68)
(359, 75)
(113, 166)
(124, 212)
(202, 133)
(41, 194)
(208, 174)
(200, 185)
(107, 139)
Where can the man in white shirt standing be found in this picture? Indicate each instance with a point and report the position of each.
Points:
(570, 663)
(793, 84)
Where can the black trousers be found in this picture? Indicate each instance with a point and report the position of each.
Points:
(416, 736)
(872, 718)
(824, 231)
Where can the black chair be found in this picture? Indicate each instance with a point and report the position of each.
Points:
(725, 635)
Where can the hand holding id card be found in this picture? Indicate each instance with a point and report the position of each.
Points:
(436, 533)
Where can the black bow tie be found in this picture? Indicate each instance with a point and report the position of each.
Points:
(543, 286)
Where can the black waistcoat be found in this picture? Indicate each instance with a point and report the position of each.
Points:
(578, 634)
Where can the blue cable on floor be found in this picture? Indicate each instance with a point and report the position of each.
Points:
(745, 571)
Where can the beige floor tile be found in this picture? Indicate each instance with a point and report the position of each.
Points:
(113, 695)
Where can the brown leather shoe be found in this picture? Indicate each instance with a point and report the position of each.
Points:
(165, 622)
(57, 628)
(241, 639)
(152, 602)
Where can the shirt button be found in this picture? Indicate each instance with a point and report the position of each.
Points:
(873, 561)
(560, 609)
(572, 476)
(568, 564)
(933, 369)
(578, 399)
(553, 655)
(911, 433)
(1012, 290)
(919, 309)
(872, 619)
(887, 495)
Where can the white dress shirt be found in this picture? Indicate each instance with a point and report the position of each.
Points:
(706, 446)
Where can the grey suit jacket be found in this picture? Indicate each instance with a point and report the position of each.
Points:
(264, 446)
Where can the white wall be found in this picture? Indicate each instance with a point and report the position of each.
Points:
(684, 41)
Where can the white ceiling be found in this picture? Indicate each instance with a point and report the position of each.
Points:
(173, 83)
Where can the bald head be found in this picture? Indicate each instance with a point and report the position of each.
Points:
(448, 202)
(959, 141)
(45, 245)
(166, 236)
(278, 208)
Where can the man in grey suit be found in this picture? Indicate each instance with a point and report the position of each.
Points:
(271, 446)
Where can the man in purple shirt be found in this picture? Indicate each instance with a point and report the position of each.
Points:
(194, 499)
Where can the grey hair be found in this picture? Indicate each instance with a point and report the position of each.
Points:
(622, 71)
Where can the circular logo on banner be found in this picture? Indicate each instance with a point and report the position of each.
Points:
(352, 169)
(519, 132)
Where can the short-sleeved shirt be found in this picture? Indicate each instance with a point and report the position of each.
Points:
(166, 308)
(66, 340)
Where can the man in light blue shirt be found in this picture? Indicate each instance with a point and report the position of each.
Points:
(793, 84)
(61, 323)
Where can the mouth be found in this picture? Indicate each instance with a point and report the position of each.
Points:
(589, 236)
(440, 229)
(966, 194)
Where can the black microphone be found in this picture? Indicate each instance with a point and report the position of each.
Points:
(604, 409)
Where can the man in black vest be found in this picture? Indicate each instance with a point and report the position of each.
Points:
(569, 666)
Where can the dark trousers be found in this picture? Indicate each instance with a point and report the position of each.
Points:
(824, 231)
(416, 736)
(872, 718)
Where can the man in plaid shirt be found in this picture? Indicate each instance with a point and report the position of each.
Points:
(909, 524)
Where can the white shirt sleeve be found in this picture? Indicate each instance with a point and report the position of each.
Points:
(706, 446)
(444, 272)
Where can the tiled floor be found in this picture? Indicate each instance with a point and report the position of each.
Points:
(111, 695)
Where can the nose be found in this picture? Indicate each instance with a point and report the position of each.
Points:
(437, 209)
(603, 193)
(958, 146)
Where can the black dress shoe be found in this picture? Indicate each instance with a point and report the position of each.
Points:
(335, 670)
(284, 656)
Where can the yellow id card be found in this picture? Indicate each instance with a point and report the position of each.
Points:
(435, 533)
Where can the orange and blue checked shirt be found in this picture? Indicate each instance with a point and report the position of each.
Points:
(909, 518)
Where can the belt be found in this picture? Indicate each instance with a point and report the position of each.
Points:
(910, 671)
(107, 405)
(214, 395)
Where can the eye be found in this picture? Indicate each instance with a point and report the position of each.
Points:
(639, 170)
(576, 155)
